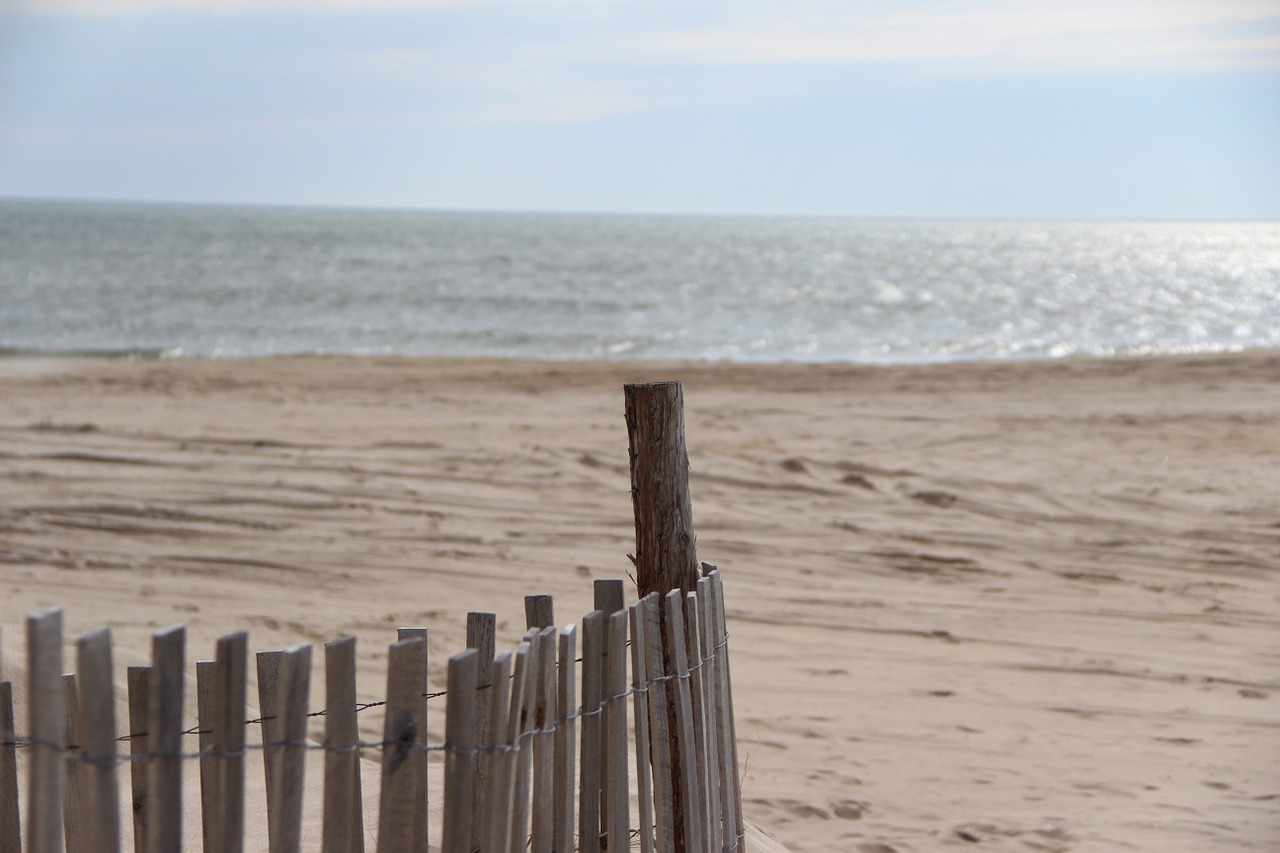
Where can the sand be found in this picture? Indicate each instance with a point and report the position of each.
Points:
(1018, 606)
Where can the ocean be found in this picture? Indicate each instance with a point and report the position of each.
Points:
(184, 280)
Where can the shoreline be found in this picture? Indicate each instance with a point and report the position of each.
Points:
(1012, 601)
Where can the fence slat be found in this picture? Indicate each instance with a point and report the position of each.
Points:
(397, 810)
(73, 827)
(290, 757)
(418, 758)
(460, 760)
(209, 818)
(566, 744)
(492, 836)
(609, 596)
(589, 773)
(269, 714)
(164, 728)
(46, 722)
(10, 819)
(544, 744)
(481, 631)
(524, 754)
(640, 695)
(686, 781)
(139, 684)
(715, 762)
(618, 812)
(659, 726)
(231, 658)
(539, 611)
(736, 834)
(503, 797)
(707, 807)
(343, 829)
(101, 801)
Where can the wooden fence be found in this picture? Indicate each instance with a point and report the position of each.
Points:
(554, 746)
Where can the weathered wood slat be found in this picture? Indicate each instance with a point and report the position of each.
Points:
(139, 684)
(497, 816)
(617, 814)
(269, 713)
(291, 756)
(73, 826)
(524, 753)
(710, 676)
(686, 775)
(481, 636)
(10, 817)
(566, 742)
(730, 736)
(209, 818)
(98, 740)
(460, 759)
(609, 596)
(231, 661)
(544, 744)
(697, 694)
(421, 770)
(659, 726)
(343, 821)
(398, 808)
(46, 716)
(640, 697)
(164, 727)
(589, 772)
(539, 611)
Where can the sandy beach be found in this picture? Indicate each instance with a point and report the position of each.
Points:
(1016, 606)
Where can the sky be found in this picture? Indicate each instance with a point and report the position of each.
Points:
(1151, 109)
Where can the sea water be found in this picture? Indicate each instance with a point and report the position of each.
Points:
(242, 281)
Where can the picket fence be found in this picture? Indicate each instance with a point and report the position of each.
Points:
(540, 752)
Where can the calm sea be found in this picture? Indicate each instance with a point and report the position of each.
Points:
(228, 281)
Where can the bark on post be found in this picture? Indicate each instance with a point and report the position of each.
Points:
(665, 554)
(666, 557)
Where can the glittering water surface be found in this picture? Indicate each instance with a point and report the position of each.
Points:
(250, 281)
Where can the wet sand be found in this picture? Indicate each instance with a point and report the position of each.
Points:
(999, 606)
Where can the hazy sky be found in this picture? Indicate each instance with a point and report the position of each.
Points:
(1099, 108)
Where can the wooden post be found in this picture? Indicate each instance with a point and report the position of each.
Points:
(418, 757)
(544, 744)
(398, 818)
(46, 721)
(343, 821)
(666, 553)
(498, 814)
(566, 727)
(666, 557)
(74, 830)
(98, 744)
(231, 658)
(164, 727)
(139, 682)
(460, 758)
(481, 630)
(617, 811)
(291, 756)
(640, 695)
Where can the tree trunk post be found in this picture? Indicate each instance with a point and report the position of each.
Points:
(666, 556)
